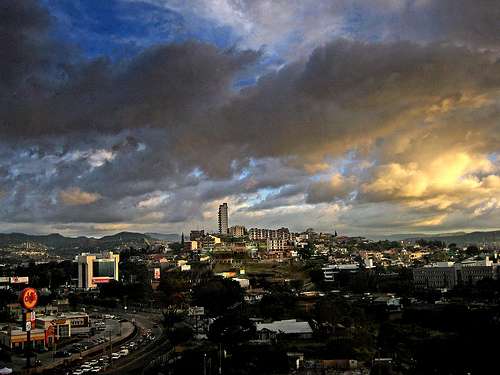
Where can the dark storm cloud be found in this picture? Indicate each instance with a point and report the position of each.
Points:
(161, 137)
(473, 22)
(162, 87)
(24, 51)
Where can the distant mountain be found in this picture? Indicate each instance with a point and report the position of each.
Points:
(124, 237)
(170, 237)
(405, 236)
(73, 245)
(460, 238)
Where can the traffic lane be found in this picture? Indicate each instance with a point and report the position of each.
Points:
(139, 358)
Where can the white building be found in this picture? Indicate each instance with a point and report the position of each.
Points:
(263, 234)
(96, 269)
(287, 328)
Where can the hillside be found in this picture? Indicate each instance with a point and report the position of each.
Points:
(170, 237)
(72, 245)
(460, 238)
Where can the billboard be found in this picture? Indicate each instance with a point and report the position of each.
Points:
(100, 280)
(19, 280)
(156, 273)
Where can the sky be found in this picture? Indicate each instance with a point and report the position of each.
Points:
(365, 117)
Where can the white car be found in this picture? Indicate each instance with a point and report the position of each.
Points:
(115, 356)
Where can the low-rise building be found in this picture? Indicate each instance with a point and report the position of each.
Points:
(290, 328)
(448, 274)
(14, 338)
(330, 270)
(256, 234)
(65, 325)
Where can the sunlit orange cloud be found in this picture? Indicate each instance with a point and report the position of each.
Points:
(76, 197)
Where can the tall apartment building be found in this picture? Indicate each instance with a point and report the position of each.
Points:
(237, 231)
(96, 269)
(223, 219)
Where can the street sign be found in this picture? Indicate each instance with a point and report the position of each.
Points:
(196, 311)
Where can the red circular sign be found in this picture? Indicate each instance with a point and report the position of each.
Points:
(28, 298)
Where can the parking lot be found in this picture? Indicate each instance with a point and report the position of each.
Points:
(103, 329)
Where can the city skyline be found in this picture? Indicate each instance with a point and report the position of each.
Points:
(145, 116)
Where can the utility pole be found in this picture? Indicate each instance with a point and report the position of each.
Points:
(28, 300)
(220, 358)
(110, 349)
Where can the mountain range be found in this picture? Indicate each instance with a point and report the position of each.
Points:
(76, 244)
(459, 238)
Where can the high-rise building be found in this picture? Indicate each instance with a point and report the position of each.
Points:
(95, 269)
(237, 231)
(223, 219)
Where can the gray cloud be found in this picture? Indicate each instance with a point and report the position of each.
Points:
(162, 138)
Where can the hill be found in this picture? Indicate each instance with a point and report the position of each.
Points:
(460, 238)
(170, 237)
(62, 245)
(463, 239)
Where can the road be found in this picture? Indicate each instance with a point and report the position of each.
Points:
(136, 361)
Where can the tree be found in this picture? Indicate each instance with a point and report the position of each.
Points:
(231, 329)
(278, 304)
(176, 247)
(113, 289)
(173, 285)
(472, 250)
(317, 277)
(307, 251)
(218, 294)
(180, 335)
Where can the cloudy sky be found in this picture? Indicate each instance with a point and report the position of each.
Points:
(369, 117)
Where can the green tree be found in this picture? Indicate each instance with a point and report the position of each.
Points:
(174, 285)
(472, 250)
(217, 295)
